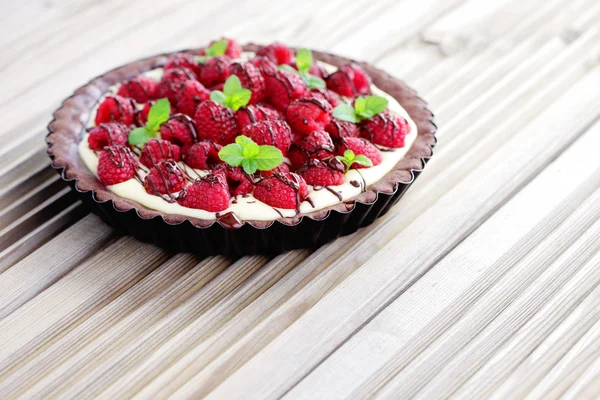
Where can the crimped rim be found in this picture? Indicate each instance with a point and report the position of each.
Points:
(65, 131)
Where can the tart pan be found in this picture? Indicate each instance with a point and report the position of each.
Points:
(180, 233)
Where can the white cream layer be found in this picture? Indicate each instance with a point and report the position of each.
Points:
(249, 208)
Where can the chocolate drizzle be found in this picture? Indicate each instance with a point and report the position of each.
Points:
(187, 121)
(229, 220)
(170, 174)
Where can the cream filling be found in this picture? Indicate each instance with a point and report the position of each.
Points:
(249, 208)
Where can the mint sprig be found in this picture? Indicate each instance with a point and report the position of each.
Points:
(364, 108)
(250, 156)
(350, 158)
(158, 115)
(218, 48)
(233, 95)
(304, 60)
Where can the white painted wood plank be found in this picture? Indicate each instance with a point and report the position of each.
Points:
(292, 354)
(409, 324)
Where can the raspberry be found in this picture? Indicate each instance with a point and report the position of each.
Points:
(283, 87)
(182, 60)
(140, 117)
(156, 150)
(360, 79)
(201, 155)
(350, 81)
(179, 130)
(208, 193)
(274, 133)
(116, 164)
(325, 94)
(239, 182)
(306, 115)
(339, 129)
(323, 173)
(115, 109)
(251, 79)
(282, 190)
(361, 146)
(255, 113)
(277, 53)
(141, 89)
(109, 134)
(165, 178)
(265, 66)
(172, 80)
(216, 123)
(191, 93)
(386, 129)
(283, 168)
(215, 70)
(317, 145)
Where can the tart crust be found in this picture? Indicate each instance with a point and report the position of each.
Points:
(68, 127)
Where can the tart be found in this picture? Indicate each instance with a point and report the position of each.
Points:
(241, 150)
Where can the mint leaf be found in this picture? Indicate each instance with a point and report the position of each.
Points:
(202, 59)
(239, 99)
(313, 82)
(345, 112)
(232, 154)
(232, 85)
(250, 156)
(288, 68)
(219, 97)
(304, 60)
(376, 104)
(218, 48)
(158, 114)
(360, 105)
(140, 136)
(233, 95)
(363, 160)
(349, 158)
(269, 157)
(249, 165)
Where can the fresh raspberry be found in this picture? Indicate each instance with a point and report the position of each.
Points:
(116, 164)
(179, 130)
(191, 93)
(165, 178)
(239, 182)
(306, 115)
(216, 123)
(115, 109)
(325, 94)
(350, 81)
(109, 134)
(315, 69)
(386, 129)
(218, 86)
(265, 66)
(141, 89)
(277, 53)
(182, 60)
(284, 87)
(282, 190)
(250, 114)
(323, 173)
(274, 133)
(317, 145)
(283, 168)
(339, 129)
(215, 70)
(208, 193)
(157, 150)
(251, 79)
(172, 80)
(361, 146)
(202, 154)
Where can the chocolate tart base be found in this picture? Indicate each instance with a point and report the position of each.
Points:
(180, 233)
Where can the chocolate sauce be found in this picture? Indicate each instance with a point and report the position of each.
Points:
(229, 220)
(334, 192)
(355, 183)
(187, 121)
(310, 201)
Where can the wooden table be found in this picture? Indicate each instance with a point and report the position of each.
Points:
(482, 282)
